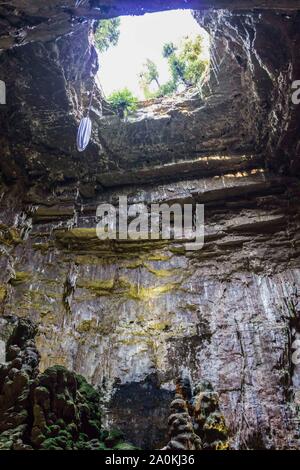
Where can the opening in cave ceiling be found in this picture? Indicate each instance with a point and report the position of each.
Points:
(151, 56)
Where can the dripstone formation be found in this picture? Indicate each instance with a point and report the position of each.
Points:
(55, 410)
(16, 378)
(128, 316)
(196, 421)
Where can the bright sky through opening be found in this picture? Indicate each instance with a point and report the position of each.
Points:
(141, 38)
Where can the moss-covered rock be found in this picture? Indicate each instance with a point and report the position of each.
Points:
(55, 410)
(20, 277)
(16, 377)
(209, 421)
(3, 292)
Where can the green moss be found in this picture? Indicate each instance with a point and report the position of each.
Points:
(123, 287)
(102, 446)
(50, 213)
(222, 445)
(135, 264)
(190, 307)
(160, 326)
(70, 420)
(114, 438)
(178, 250)
(146, 334)
(38, 301)
(72, 429)
(157, 257)
(131, 341)
(20, 278)
(42, 247)
(161, 272)
(76, 233)
(85, 241)
(85, 326)
(99, 287)
(62, 441)
(124, 446)
(216, 422)
(9, 236)
(89, 260)
(52, 431)
(3, 292)
(144, 294)
(87, 390)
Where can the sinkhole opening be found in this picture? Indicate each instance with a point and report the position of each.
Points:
(149, 57)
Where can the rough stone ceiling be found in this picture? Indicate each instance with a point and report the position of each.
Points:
(25, 21)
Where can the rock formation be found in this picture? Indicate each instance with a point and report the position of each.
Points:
(129, 315)
(55, 410)
(196, 422)
(182, 434)
(16, 377)
(209, 421)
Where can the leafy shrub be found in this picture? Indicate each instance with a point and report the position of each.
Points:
(123, 102)
(107, 34)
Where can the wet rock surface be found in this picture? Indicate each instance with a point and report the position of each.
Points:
(123, 313)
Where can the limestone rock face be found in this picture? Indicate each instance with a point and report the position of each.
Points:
(130, 315)
(262, 42)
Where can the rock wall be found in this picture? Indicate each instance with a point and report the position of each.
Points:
(120, 312)
(130, 316)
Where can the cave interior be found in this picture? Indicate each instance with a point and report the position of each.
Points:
(104, 343)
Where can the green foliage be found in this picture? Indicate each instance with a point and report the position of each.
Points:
(190, 55)
(185, 63)
(123, 102)
(83, 431)
(125, 446)
(107, 34)
(115, 440)
(177, 67)
(168, 49)
(167, 89)
(149, 73)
